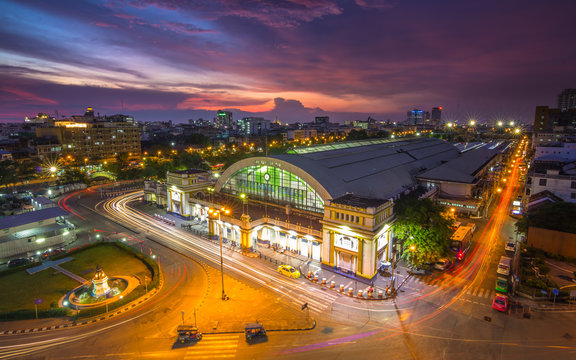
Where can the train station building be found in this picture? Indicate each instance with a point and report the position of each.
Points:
(332, 203)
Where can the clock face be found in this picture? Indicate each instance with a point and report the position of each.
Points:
(267, 177)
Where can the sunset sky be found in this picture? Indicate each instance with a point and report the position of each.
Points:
(290, 59)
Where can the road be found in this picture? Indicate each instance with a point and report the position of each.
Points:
(446, 316)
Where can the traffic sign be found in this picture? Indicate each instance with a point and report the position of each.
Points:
(556, 292)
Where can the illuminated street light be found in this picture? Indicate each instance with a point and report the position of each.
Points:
(219, 212)
(472, 122)
(244, 198)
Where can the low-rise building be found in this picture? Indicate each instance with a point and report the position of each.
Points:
(28, 233)
(465, 182)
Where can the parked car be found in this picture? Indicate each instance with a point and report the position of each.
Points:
(500, 302)
(289, 270)
(510, 246)
(18, 262)
(442, 264)
(502, 285)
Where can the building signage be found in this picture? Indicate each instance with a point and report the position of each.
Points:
(346, 242)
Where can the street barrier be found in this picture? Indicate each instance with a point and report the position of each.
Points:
(332, 284)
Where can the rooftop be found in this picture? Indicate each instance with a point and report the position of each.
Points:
(31, 217)
(375, 168)
(188, 171)
(462, 169)
(358, 201)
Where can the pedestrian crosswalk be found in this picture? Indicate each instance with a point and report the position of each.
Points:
(319, 300)
(477, 291)
(220, 346)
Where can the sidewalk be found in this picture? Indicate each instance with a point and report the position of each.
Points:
(302, 263)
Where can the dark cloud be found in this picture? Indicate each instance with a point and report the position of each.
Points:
(362, 56)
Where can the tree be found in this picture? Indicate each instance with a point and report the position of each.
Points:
(357, 134)
(556, 216)
(423, 229)
(7, 172)
(74, 175)
(186, 160)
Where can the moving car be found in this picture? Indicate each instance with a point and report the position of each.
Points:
(510, 246)
(289, 270)
(500, 302)
(502, 285)
(442, 264)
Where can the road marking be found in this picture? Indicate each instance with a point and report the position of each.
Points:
(481, 293)
(347, 286)
(214, 347)
(475, 291)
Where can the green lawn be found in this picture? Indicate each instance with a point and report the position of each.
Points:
(21, 289)
(112, 259)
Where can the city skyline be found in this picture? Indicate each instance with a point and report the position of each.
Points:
(294, 60)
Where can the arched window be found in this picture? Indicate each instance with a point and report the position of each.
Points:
(276, 185)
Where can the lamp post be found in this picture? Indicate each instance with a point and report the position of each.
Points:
(219, 213)
(210, 192)
(244, 200)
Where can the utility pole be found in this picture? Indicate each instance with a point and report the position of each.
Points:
(393, 267)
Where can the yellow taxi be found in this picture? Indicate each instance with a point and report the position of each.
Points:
(289, 270)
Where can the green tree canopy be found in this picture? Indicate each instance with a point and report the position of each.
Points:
(556, 216)
(423, 229)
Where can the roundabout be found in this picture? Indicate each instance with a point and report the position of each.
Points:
(101, 291)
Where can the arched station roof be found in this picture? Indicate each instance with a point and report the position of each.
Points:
(374, 169)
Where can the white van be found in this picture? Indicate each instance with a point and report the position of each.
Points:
(504, 266)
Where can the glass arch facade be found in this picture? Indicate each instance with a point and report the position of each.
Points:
(270, 183)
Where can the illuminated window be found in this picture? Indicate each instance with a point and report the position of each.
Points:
(272, 184)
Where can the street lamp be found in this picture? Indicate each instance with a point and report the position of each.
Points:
(244, 199)
(219, 212)
(210, 192)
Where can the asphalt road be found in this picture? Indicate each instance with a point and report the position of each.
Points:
(445, 316)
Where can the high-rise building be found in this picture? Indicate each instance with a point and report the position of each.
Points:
(253, 126)
(94, 138)
(321, 119)
(546, 119)
(224, 119)
(567, 99)
(418, 117)
(437, 115)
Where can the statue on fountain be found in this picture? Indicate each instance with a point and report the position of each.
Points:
(100, 282)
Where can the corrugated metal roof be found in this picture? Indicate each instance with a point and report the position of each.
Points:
(34, 231)
(377, 170)
(463, 168)
(31, 217)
